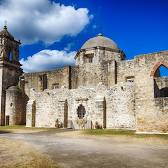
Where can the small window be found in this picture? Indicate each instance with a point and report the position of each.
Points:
(55, 86)
(43, 80)
(88, 58)
(130, 79)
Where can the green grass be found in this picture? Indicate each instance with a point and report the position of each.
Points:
(122, 132)
(13, 127)
(22, 127)
(161, 136)
(108, 132)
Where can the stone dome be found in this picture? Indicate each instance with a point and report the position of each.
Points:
(100, 41)
(5, 33)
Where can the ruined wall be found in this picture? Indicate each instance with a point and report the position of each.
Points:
(58, 78)
(115, 93)
(125, 69)
(150, 115)
(119, 107)
(160, 87)
(90, 75)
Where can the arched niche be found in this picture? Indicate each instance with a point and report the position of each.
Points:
(81, 111)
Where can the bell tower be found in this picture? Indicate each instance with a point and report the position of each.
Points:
(10, 70)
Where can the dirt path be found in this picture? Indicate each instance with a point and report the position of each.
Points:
(73, 151)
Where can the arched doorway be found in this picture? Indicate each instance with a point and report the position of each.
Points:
(81, 111)
(66, 114)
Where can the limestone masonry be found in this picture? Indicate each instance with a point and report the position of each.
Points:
(103, 90)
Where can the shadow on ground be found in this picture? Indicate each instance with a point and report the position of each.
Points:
(5, 132)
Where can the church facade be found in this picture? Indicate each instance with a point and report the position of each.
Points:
(103, 89)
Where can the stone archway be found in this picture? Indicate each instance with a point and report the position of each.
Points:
(156, 67)
(159, 90)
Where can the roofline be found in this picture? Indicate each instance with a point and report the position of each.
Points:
(100, 47)
(13, 39)
(157, 52)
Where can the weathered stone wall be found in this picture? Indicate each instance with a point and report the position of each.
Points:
(119, 106)
(74, 77)
(90, 75)
(116, 93)
(125, 69)
(15, 106)
(150, 115)
(59, 77)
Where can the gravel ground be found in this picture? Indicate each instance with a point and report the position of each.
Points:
(72, 150)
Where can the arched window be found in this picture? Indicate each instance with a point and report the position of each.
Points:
(81, 111)
(158, 69)
(160, 77)
(163, 71)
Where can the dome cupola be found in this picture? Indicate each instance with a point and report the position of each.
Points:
(100, 41)
(98, 50)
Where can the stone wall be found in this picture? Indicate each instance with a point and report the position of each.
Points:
(115, 93)
(150, 115)
(125, 69)
(121, 106)
(118, 112)
(15, 106)
(58, 78)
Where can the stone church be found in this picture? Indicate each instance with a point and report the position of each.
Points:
(103, 89)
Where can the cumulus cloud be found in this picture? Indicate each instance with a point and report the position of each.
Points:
(42, 20)
(47, 60)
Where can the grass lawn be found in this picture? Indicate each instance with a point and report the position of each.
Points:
(122, 132)
(18, 127)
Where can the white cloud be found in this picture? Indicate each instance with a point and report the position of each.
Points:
(47, 60)
(34, 20)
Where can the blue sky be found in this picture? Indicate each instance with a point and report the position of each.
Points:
(137, 26)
